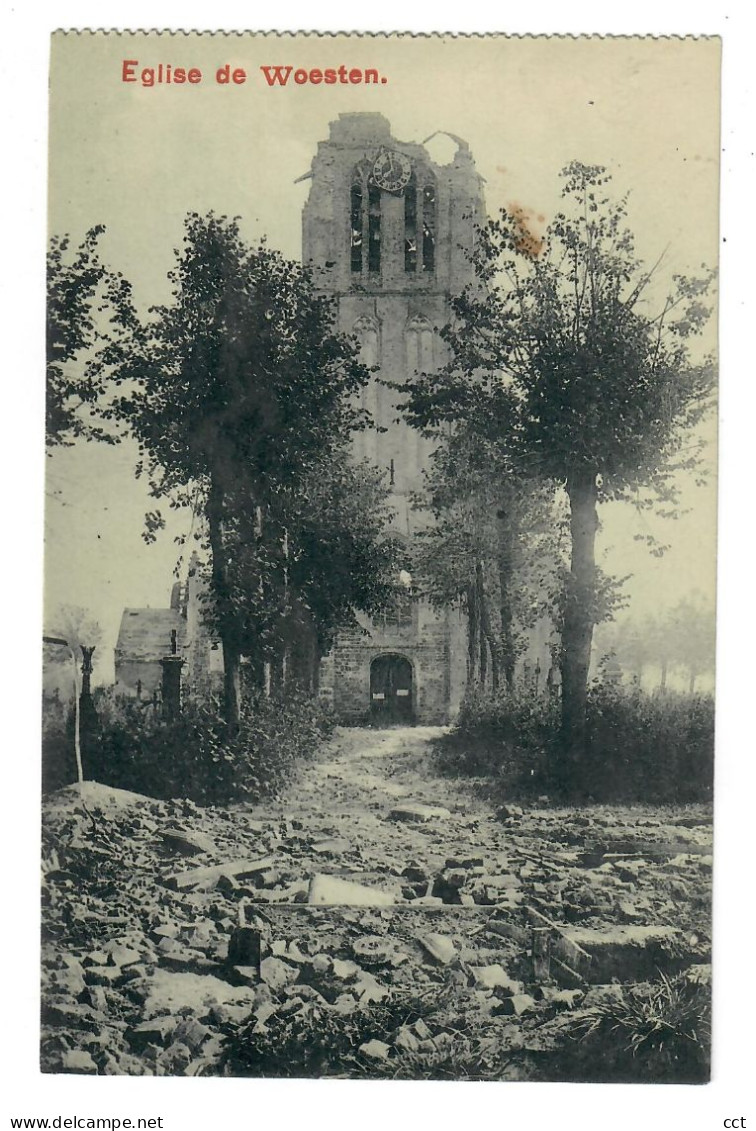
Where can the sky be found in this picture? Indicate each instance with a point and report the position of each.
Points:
(137, 159)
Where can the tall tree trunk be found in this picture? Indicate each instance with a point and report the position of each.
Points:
(505, 556)
(231, 684)
(472, 637)
(491, 618)
(480, 598)
(692, 683)
(663, 682)
(231, 653)
(577, 629)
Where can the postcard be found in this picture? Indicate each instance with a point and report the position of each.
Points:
(378, 714)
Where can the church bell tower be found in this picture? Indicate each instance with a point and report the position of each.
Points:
(387, 232)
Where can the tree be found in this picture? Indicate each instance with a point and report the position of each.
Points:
(88, 308)
(72, 640)
(633, 642)
(75, 625)
(242, 398)
(690, 629)
(494, 547)
(556, 358)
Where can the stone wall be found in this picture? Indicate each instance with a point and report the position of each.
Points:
(429, 647)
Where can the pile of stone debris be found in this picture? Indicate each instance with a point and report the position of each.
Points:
(168, 929)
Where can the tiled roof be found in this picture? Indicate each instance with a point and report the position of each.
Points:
(145, 634)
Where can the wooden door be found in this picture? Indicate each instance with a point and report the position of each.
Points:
(391, 691)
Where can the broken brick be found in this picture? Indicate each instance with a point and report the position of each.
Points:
(78, 1060)
(277, 974)
(495, 977)
(516, 1005)
(207, 878)
(375, 1050)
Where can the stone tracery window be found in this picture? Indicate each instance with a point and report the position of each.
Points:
(365, 222)
(420, 215)
(429, 225)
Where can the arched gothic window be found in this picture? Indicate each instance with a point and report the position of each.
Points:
(365, 222)
(420, 224)
(419, 339)
(366, 331)
(429, 225)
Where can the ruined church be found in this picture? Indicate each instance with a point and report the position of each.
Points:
(385, 231)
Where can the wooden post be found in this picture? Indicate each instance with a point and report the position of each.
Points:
(77, 706)
(540, 942)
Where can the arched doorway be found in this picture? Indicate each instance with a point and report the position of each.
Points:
(391, 692)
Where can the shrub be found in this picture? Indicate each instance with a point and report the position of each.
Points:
(639, 747)
(320, 1041)
(193, 755)
(58, 757)
(507, 737)
(658, 1034)
(317, 1040)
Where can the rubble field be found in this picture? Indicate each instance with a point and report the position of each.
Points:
(378, 920)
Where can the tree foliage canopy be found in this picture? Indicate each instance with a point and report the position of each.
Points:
(88, 311)
(241, 395)
(559, 362)
(557, 355)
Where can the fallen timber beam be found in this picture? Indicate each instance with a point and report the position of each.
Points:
(429, 909)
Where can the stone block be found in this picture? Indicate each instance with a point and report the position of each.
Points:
(78, 1061)
(516, 1005)
(245, 946)
(334, 846)
(335, 892)
(207, 878)
(156, 1031)
(495, 977)
(418, 814)
(375, 1050)
(277, 974)
(186, 842)
(630, 953)
(440, 947)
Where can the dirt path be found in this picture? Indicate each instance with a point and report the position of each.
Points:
(366, 775)
(378, 919)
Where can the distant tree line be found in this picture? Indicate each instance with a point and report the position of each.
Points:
(683, 638)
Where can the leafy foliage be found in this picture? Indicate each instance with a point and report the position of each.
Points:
(78, 627)
(557, 361)
(193, 756)
(495, 547)
(242, 398)
(682, 638)
(639, 747)
(508, 737)
(318, 1040)
(88, 311)
(658, 748)
(555, 357)
(651, 1034)
(58, 756)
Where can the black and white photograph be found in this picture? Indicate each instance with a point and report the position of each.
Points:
(380, 557)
